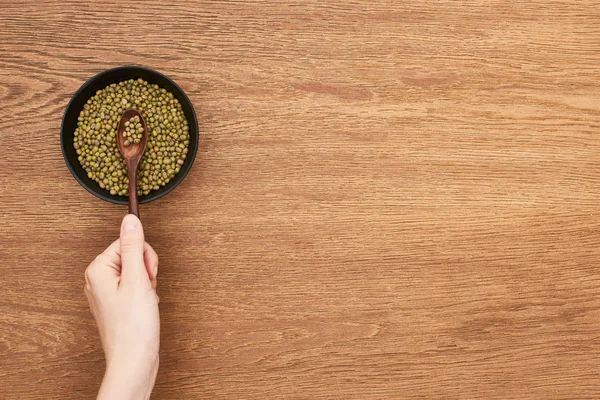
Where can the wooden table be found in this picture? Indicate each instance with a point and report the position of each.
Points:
(390, 200)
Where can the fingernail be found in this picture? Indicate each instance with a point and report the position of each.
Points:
(130, 222)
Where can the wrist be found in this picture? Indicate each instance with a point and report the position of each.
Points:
(128, 381)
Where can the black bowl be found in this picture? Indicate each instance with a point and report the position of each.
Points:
(100, 81)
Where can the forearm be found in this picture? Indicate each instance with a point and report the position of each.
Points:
(125, 383)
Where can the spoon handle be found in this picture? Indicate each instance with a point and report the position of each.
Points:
(133, 197)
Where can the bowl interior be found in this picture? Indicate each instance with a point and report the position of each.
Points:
(100, 81)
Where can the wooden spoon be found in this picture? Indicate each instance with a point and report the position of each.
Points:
(132, 155)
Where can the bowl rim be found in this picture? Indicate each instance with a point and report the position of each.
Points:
(191, 154)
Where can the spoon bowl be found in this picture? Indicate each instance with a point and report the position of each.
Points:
(134, 150)
(132, 154)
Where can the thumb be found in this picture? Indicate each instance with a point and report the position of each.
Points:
(133, 269)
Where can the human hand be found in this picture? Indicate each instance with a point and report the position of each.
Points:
(121, 290)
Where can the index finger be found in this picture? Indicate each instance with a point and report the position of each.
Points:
(113, 255)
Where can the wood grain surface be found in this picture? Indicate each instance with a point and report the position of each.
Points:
(391, 199)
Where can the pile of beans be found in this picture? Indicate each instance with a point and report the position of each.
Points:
(95, 139)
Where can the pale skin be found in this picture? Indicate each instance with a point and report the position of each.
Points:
(121, 290)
